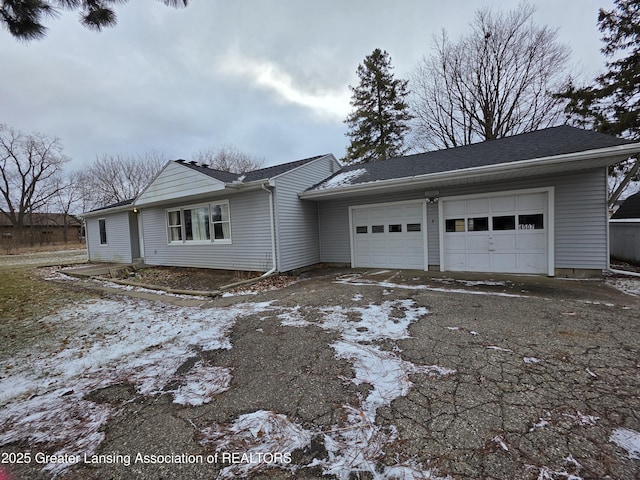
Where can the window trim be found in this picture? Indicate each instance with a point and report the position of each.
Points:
(212, 240)
(103, 221)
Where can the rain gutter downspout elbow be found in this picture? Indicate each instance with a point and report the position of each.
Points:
(273, 231)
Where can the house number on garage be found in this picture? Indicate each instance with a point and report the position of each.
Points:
(526, 226)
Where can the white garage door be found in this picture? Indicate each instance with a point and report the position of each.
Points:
(388, 236)
(496, 234)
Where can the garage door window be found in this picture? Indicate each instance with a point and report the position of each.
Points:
(454, 225)
(377, 229)
(478, 224)
(506, 222)
(531, 222)
(397, 228)
(362, 229)
(414, 227)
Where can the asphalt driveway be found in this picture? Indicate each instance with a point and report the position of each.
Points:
(355, 374)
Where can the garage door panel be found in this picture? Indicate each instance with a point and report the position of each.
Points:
(529, 262)
(479, 205)
(455, 242)
(477, 242)
(505, 261)
(532, 201)
(531, 241)
(479, 261)
(503, 204)
(504, 241)
(455, 260)
(454, 207)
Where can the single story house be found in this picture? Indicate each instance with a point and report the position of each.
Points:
(624, 230)
(530, 203)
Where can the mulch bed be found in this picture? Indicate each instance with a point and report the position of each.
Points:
(181, 278)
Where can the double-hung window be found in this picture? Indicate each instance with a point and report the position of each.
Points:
(200, 224)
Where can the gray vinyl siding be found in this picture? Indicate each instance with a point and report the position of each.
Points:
(580, 218)
(433, 236)
(176, 181)
(297, 220)
(250, 236)
(118, 247)
(625, 240)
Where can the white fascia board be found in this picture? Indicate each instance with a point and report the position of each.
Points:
(610, 154)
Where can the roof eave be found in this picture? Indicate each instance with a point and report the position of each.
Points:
(565, 162)
(106, 211)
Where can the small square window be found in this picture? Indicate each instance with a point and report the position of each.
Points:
(396, 228)
(414, 227)
(454, 225)
(362, 229)
(377, 229)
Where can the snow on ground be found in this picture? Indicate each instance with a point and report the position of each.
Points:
(357, 445)
(266, 438)
(628, 285)
(357, 280)
(116, 341)
(628, 440)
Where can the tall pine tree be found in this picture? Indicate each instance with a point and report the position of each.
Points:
(612, 104)
(380, 116)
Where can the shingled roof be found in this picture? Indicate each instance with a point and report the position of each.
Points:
(548, 142)
(254, 175)
(630, 208)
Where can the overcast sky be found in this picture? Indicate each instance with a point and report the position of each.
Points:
(268, 76)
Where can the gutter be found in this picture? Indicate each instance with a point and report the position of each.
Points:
(621, 151)
(273, 231)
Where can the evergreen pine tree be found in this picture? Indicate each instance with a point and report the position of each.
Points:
(612, 104)
(380, 116)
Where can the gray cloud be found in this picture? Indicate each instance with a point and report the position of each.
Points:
(269, 76)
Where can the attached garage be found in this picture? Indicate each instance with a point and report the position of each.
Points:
(534, 203)
(507, 232)
(388, 235)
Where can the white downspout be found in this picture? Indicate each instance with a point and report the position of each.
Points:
(273, 232)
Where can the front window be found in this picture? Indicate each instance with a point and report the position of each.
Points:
(197, 223)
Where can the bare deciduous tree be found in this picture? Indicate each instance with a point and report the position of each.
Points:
(69, 198)
(116, 178)
(29, 167)
(496, 81)
(227, 158)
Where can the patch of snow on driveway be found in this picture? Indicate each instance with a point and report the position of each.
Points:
(263, 438)
(357, 445)
(356, 280)
(124, 341)
(628, 440)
